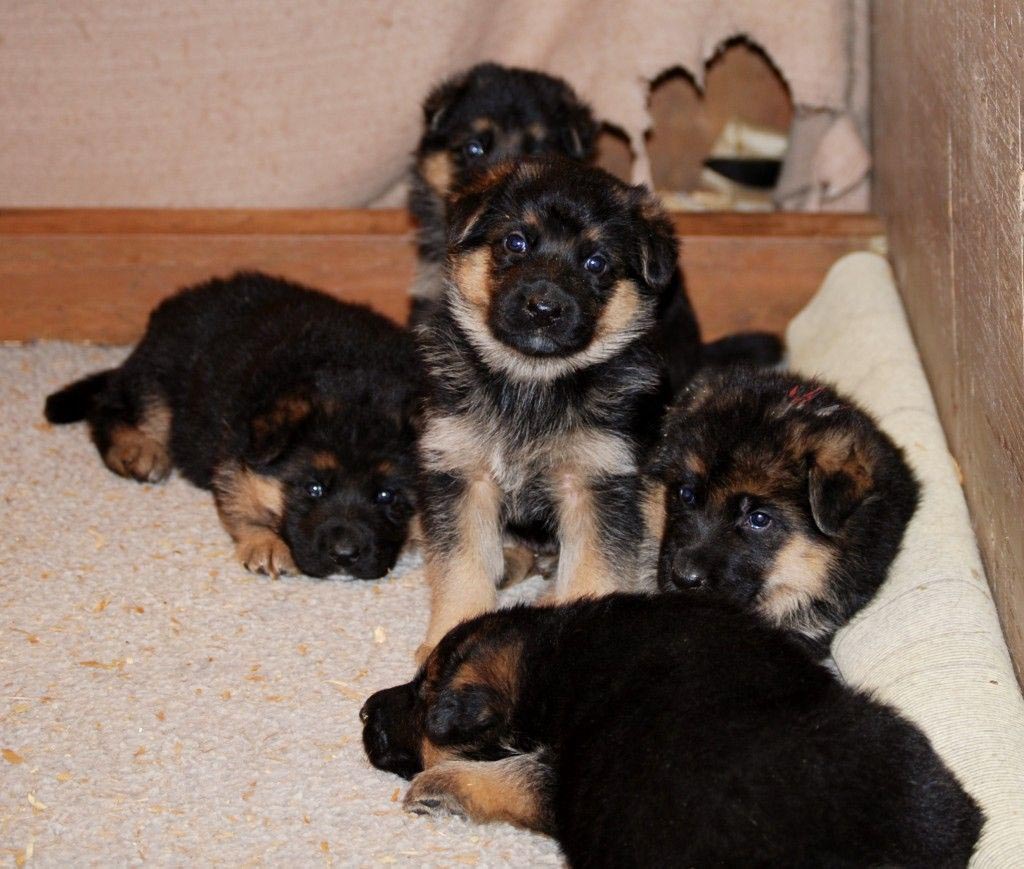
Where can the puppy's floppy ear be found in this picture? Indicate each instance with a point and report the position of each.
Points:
(272, 431)
(839, 479)
(458, 715)
(658, 249)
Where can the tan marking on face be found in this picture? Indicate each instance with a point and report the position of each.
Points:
(385, 468)
(325, 461)
(695, 465)
(471, 274)
(538, 131)
(482, 124)
(522, 368)
(140, 452)
(798, 577)
(437, 170)
(621, 311)
(514, 790)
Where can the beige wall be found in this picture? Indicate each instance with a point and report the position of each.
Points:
(948, 79)
(311, 103)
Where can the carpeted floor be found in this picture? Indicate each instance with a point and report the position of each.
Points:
(159, 704)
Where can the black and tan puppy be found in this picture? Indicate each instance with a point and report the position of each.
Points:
(472, 122)
(293, 407)
(666, 731)
(544, 387)
(782, 496)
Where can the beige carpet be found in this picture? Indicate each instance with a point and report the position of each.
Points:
(159, 704)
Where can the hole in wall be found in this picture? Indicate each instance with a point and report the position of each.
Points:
(741, 85)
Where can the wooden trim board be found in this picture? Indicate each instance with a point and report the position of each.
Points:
(94, 274)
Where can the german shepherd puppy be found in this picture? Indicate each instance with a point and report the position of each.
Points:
(781, 495)
(544, 389)
(293, 407)
(472, 122)
(666, 731)
(490, 114)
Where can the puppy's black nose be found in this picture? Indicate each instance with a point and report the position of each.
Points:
(687, 575)
(542, 308)
(345, 551)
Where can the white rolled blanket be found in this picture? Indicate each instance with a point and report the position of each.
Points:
(930, 642)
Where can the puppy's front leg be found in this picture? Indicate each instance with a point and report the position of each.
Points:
(517, 790)
(599, 535)
(464, 560)
(250, 507)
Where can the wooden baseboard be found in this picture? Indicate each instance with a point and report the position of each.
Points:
(94, 274)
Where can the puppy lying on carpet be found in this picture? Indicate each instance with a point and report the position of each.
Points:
(490, 114)
(782, 496)
(666, 730)
(293, 407)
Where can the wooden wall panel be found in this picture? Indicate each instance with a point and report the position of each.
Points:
(95, 274)
(949, 183)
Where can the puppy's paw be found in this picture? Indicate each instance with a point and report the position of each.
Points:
(431, 794)
(135, 455)
(265, 552)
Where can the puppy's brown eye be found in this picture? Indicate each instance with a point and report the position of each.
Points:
(474, 149)
(595, 264)
(315, 490)
(688, 495)
(385, 496)
(759, 520)
(516, 242)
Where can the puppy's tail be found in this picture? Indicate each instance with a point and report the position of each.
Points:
(744, 348)
(74, 401)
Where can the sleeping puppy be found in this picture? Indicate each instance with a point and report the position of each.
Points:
(491, 114)
(472, 122)
(780, 495)
(666, 731)
(544, 389)
(293, 407)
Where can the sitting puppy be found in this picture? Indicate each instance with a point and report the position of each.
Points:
(672, 731)
(292, 406)
(543, 385)
(780, 495)
(472, 122)
(490, 114)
